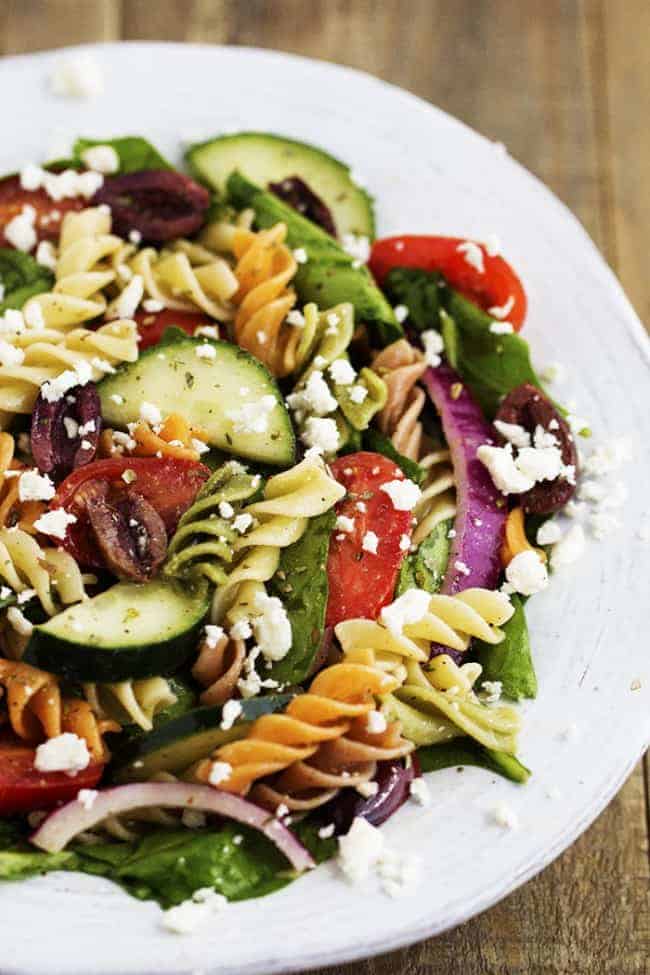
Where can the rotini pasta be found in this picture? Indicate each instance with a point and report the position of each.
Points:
(172, 277)
(52, 573)
(37, 711)
(130, 701)
(326, 712)
(218, 667)
(173, 438)
(515, 540)
(13, 511)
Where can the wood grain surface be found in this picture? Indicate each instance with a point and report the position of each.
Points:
(565, 85)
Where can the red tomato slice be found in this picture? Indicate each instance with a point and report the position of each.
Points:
(49, 213)
(151, 325)
(360, 582)
(169, 484)
(494, 287)
(23, 788)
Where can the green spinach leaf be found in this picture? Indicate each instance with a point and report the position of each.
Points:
(135, 153)
(301, 584)
(511, 660)
(425, 568)
(21, 277)
(377, 442)
(419, 291)
(465, 751)
(490, 364)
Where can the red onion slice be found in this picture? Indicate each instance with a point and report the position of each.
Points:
(67, 822)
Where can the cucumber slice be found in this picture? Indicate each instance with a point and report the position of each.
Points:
(265, 159)
(205, 390)
(130, 630)
(178, 743)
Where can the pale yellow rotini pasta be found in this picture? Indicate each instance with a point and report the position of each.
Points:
(52, 573)
(130, 701)
(180, 281)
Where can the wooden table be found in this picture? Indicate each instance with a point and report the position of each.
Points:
(566, 86)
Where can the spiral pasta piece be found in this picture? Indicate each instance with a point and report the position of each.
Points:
(437, 502)
(179, 282)
(264, 268)
(218, 667)
(130, 701)
(13, 511)
(24, 564)
(173, 438)
(37, 711)
(45, 359)
(274, 742)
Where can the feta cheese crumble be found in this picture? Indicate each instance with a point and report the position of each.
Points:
(86, 797)
(300, 255)
(501, 328)
(342, 373)
(219, 772)
(321, 434)
(206, 352)
(230, 712)
(20, 231)
(526, 573)
(433, 347)
(410, 607)
(401, 313)
(502, 311)
(473, 255)
(187, 916)
(504, 816)
(404, 494)
(33, 486)
(103, 159)
(55, 523)
(358, 394)
(64, 753)
(549, 533)
(357, 246)
(369, 542)
(359, 850)
(150, 414)
(253, 417)
(271, 628)
(515, 434)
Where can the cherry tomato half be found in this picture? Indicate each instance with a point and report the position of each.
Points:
(151, 325)
(23, 788)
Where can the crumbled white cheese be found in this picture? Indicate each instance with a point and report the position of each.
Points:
(404, 543)
(504, 816)
(206, 351)
(359, 850)
(357, 246)
(515, 434)
(549, 533)
(369, 542)
(300, 255)
(376, 723)
(401, 313)
(212, 635)
(526, 573)
(150, 414)
(569, 548)
(86, 797)
(190, 914)
(135, 237)
(19, 622)
(77, 76)
(152, 306)
(55, 389)
(325, 832)
(473, 255)
(204, 331)
(342, 373)
(241, 630)
(226, 510)
(503, 470)
(419, 790)
(502, 311)
(253, 417)
(64, 753)
(271, 628)
(344, 524)
(501, 328)
(410, 607)
(491, 691)
(61, 185)
(462, 568)
(358, 394)
(230, 712)
(55, 523)
(242, 523)
(46, 255)
(433, 347)
(361, 506)
(10, 355)
(117, 399)
(295, 318)
(33, 486)
(404, 494)
(103, 159)
(321, 433)
(20, 232)
(219, 772)
(25, 596)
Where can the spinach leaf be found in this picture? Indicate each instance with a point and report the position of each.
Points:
(377, 442)
(425, 568)
(21, 863)
(169, 865)
(465, 751)
(490, 364)
(511, 660)
(21, 277)
(301, 584)
(419, 291)
(135, 153)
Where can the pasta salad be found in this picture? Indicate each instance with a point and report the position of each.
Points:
(273, 495)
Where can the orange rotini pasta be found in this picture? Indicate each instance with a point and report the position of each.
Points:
(264, 268)
(174, 438)
(337, 695)
(37, 711)
(514, 539)
(13, 511)
(218, 668)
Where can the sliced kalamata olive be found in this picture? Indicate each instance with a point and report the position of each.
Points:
(394, 783)
(157, 204)
(129, 531)
(529, 408)
(294, 191)
(65, 434)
